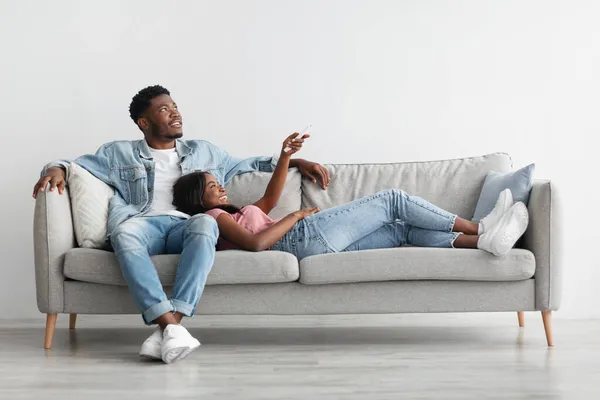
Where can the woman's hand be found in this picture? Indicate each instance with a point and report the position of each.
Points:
(305, 212)
(292, 144)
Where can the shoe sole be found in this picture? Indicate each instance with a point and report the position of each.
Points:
(509, 202)
(179, 353)
(175, 354)
(519, 222)
(187, 352)
(151, 356)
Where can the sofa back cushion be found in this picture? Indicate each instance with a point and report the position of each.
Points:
(90, 197)
(453, 185)
(247, 188)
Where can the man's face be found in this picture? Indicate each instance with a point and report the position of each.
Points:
(162, 120)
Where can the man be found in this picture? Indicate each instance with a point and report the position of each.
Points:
(142, 220)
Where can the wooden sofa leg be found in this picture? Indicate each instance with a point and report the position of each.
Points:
(72, 320)
(521, 316)
(547, 318)
(50, 324)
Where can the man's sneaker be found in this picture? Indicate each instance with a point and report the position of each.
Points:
(151, 346)
(177, 343)
(503, 204)
(503, 235)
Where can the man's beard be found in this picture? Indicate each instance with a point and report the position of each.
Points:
(155, 130)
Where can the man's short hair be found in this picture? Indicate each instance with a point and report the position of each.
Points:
(141, 101)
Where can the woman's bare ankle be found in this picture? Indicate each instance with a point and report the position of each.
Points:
(464, 226)
(466, 242)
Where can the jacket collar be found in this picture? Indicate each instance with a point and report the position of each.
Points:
(182, 149)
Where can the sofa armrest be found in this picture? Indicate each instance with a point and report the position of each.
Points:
(542, 238)
(53, 236)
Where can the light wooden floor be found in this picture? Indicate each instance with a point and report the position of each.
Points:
(451, 356)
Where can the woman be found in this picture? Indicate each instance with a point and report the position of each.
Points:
(389, 218)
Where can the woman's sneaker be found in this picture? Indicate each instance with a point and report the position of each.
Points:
(177, 343)
(504, 234)
(151, 346)
(503, 204)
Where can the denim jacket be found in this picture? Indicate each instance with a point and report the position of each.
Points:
(128, 167)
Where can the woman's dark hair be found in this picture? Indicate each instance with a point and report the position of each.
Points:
(188, 192)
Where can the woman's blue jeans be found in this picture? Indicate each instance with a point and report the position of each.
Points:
(389, 218)
(136, 239)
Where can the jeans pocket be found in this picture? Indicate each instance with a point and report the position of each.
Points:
(134, 179)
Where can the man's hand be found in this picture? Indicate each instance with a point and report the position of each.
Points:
(313, 170)
(56, 177)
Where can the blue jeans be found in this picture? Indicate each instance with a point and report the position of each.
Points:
(389, 218)
(136, 239)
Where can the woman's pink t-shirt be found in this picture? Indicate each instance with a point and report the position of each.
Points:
(250, 217)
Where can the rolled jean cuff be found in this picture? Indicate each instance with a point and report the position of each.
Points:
(452, 222)
(156, 311)
(456, 235)
(183, 307)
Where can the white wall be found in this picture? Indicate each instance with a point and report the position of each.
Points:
(380, 81)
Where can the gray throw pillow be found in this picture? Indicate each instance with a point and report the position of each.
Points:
(519, 182)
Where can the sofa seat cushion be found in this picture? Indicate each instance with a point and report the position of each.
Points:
(416, 263)
(231, 267)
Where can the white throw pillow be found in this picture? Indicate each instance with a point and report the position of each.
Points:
(89, 204)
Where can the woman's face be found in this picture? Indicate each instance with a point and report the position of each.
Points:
(214, 194)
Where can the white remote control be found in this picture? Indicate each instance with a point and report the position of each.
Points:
(305, 130)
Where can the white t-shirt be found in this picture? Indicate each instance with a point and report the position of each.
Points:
(166, 172)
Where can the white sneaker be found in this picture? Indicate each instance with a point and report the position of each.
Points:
(502, 236)
(151, 346)
(177, 343)
(503, 204)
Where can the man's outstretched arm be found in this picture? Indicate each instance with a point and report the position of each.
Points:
(312, 170)
(233, 166)
(56, 173)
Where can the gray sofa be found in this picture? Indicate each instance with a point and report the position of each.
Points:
(401, 280)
